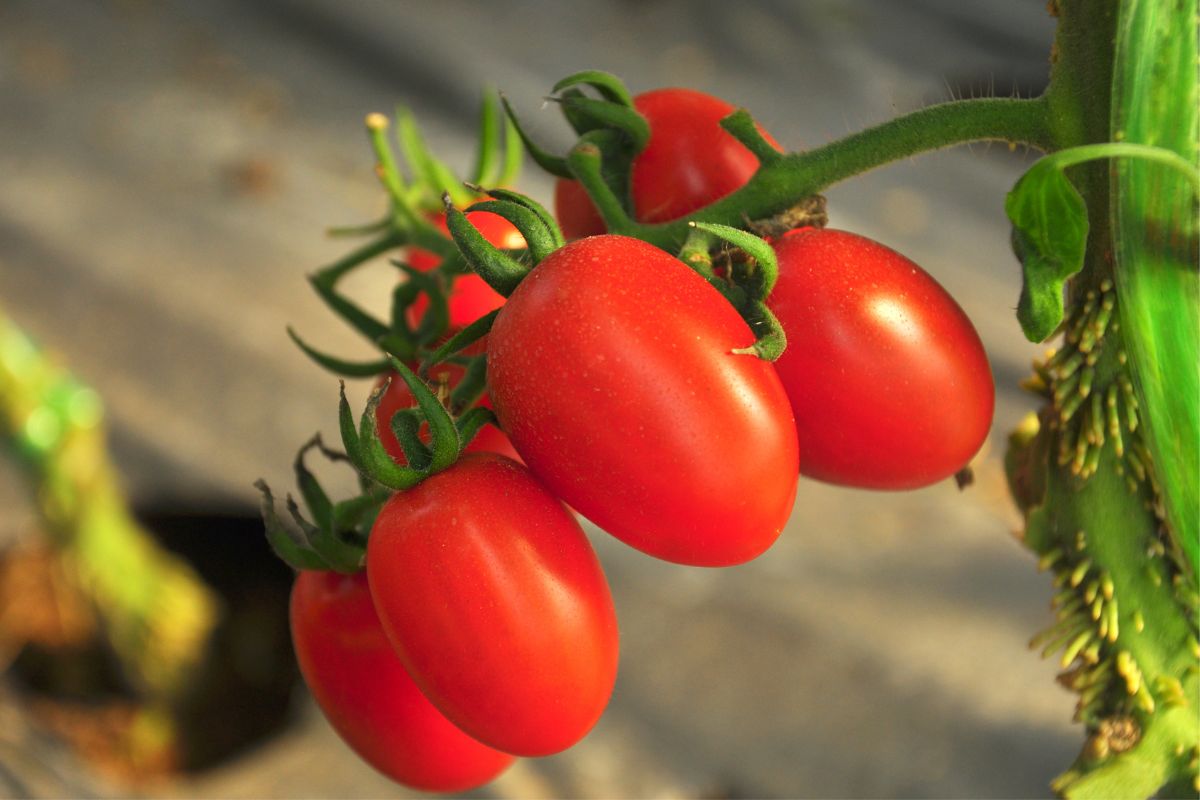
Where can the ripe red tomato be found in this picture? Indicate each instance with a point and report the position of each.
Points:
(887, 377)
(490, 439)
(470, 298)
(689, 162)
(610, 370)
(494, 600)
(368, 696)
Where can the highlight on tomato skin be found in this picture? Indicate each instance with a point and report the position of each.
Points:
(470, 298)
(888, 379)
(636, 412)
(496, 603)
(368, 696)
(689, 162)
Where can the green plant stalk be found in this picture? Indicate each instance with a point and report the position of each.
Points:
(1085, 471)
(778, 185)
(1155, 234)
(157, 613)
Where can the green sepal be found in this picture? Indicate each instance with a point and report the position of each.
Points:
(436, 318)
(489, 142)
(443, 436)
(402, 195)
(338, 366)
(609, 86)
(460, 341)
(528, 202)
(406, 426)
(498, 158)
(498, 269)
(472, 385)
(350, 231)
(588, 166)
(471, 422)
(315, 499)
(366, 451)
(357, 515)
(538, 238)
(748, 285)
(1049, 237)
(327, 537)
(335, 541)
(513, 152)
(696, 253)
(740, 125)
(429, 170)
(361, 321)
(555, 165)
(758, 278)
(324, 282)
(286, 543)
(769, 339)
(587, 114)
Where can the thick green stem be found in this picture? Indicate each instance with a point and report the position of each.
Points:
(780, 184)
(1085, 471)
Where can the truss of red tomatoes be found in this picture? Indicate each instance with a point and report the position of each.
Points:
(537, 369)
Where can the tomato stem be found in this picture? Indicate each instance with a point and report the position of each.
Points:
(780, 184)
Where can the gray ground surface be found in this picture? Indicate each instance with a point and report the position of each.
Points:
(167, 170)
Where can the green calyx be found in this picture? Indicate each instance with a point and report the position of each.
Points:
(335, 538)
(431, 436)
(746, 282)
(447, 436)
(611, 133)
(499, 269)
(412, 199)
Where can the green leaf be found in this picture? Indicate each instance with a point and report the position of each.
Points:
(1156, 102)
(1050, 228)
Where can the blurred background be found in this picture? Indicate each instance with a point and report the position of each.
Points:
(167, 173)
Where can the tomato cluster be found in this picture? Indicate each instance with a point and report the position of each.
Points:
(626, 389)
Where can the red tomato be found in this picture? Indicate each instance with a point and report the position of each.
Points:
(888, 379)
(490, 439)
(368, 696)
(494, 600)
(689, 162)
(470, 298)
(610, 370)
